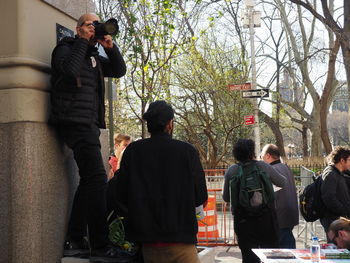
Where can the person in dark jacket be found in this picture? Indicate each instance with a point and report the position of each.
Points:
(346, 174)
(258, 230)
(77, 112)
(286, 198)
(334, 190)
(161, 182)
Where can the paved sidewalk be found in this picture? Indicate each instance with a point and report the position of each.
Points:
(226, 254)
(232, 254)
(209, 255)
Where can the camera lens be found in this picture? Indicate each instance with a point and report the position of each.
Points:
(111, 26)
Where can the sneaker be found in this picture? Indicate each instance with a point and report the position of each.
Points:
(79, 249)
(111, 254)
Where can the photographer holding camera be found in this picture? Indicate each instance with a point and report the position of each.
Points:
(77, 112)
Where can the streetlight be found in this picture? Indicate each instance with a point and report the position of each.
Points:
(251, 19)
(291, 147)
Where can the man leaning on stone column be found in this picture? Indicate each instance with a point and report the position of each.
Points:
(78, 112)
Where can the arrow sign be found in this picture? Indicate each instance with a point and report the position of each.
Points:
(255, 93)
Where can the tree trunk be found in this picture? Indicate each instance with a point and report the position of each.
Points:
(305, 144)
(316, 145)
(143, 123)
(276, 131)
(345, 45)
(324, 130)
(346, 59)
(329, 88)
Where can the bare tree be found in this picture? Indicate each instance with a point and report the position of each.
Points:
(342, 32)
(301, 53)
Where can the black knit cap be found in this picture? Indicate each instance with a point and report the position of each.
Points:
(158, 114)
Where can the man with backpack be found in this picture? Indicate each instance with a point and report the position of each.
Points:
(286, 198)
(248, 187)
(334, 190)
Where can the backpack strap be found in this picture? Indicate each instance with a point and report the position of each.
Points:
(235, 183)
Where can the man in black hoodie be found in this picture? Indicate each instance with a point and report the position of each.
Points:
(334, 190)
(161, 182)
(77, 112)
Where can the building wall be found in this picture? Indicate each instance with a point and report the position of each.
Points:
(38, 174)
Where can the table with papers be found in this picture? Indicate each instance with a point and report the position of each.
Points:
(301, 255)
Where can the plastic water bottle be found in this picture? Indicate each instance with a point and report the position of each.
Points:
(315, 250)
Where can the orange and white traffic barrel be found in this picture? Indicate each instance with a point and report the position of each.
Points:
(208, 226)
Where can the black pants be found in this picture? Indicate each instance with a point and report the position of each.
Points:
(256, 232)
(89, 205)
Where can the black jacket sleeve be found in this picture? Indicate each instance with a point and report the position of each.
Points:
(68, 60)
(330, 194)
(121, 179)
(114, 66)
(201, 194)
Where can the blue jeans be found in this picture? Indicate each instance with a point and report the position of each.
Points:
(286, 238)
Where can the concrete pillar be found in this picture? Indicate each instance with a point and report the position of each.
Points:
(37, 172)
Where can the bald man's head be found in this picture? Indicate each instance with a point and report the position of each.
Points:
(87, 17)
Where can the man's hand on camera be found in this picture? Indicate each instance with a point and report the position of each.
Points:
(87, 31)
(107, 42)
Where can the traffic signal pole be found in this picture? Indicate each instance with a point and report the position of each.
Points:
(250, 10)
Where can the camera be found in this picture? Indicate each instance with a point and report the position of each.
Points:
(110, 27)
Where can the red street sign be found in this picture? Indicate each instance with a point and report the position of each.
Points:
(244, 86)
(249, 120)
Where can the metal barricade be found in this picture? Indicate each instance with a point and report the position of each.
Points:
(217, 228)
(224, 219)
(306, 176)
(305, 230)
(222, 224)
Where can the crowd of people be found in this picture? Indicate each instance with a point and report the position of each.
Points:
(157, 183)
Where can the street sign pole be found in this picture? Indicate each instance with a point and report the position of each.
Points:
(255, 101)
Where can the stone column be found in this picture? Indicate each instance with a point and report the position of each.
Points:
(37, 172)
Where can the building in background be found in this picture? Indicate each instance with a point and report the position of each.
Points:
(340, 101)
(337, 120)
(290, 91)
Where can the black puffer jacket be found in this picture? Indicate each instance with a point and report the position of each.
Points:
(77, 95)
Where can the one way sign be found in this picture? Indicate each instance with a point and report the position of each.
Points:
(255, 93)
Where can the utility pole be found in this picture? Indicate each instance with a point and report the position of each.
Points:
(253, 21)
(110, 114)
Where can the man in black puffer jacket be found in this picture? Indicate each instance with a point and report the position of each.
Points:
(77, 111)
(334, 190)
